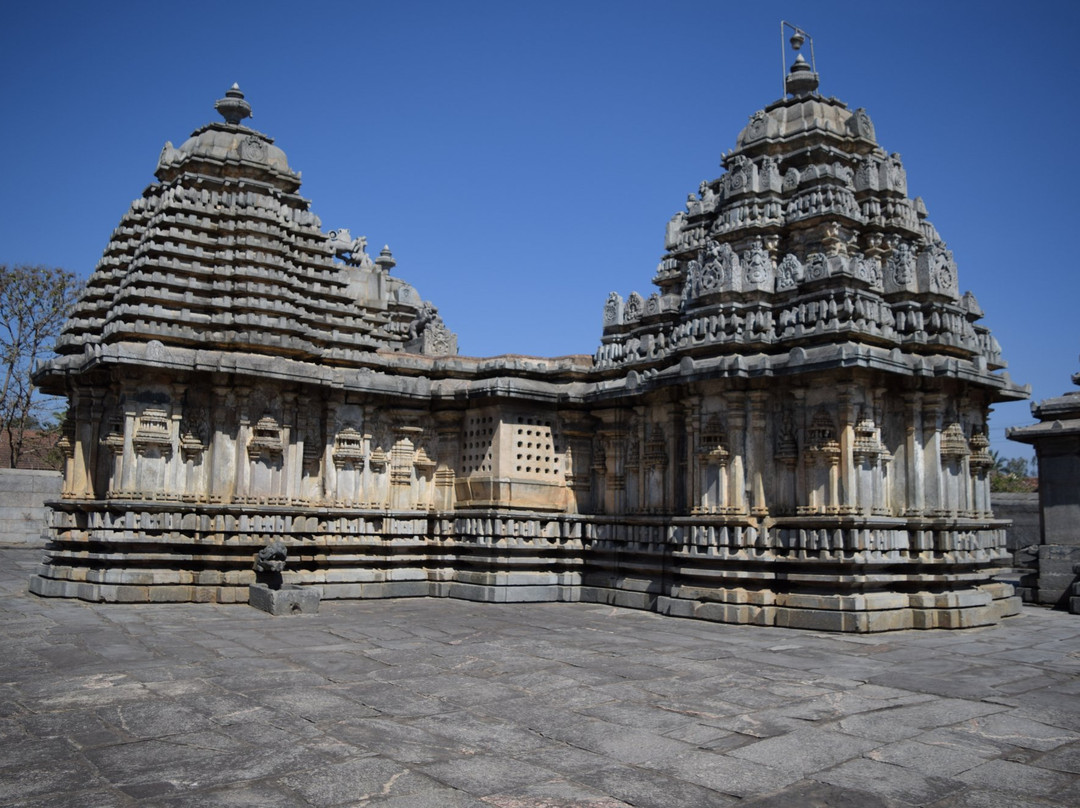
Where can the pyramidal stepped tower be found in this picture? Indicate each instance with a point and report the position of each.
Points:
(222, 251)
(790, 430)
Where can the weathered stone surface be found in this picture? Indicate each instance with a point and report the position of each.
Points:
(23, 493)
(290, 599)
(446, 703)
(790, 431)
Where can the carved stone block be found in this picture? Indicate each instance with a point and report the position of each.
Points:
(287, 600)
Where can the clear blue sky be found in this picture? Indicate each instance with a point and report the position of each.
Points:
(522, 158)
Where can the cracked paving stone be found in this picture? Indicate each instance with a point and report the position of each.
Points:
(481, 775)
(353, 781)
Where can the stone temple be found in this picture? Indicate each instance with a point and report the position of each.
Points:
(789, 430)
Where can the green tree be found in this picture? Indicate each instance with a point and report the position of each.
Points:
(34, 304)
(1010, 475)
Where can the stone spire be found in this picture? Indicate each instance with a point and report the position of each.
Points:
(222, 252)
(809, 236)
(233, 107)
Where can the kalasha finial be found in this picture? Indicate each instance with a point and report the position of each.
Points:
(802, 75)
(385, 261)
(801, 80)
(233, 107)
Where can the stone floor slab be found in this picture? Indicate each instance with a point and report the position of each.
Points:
(416, 703)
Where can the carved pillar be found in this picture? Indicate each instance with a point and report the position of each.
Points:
(599, 474)
(882, 503)
(130, 424)
(979, 464)
(800, 424)
(82, 483)
(680, 468)
(87, 406)
(423, 493)
(915, 483)
(312, 441)
(737, 440)
(695, 468)
(243, 437)
(448, 426)
(376, 477)
(97, 411)
(656, 459)
(785, 457)
(955, 476)
(176, 467)
(637, 436)
(609, 460)
(292, 441)
(756, 454)
(834, 482)
(75, 482)
(221, 457)
(402, 456)
(933, 413)
(847, 486)
(112, 452)
(615, 452)
(66, 445)
(577, 429)
(330, 475)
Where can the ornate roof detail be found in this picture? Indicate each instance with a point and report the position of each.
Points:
(980, 458)
(822, 436)
(656, 447)
(223, 253)
(808, 236)
(954, 444)
(266, 438)
(714, 441)
(348, 447)
(867, 444)
(233, 107)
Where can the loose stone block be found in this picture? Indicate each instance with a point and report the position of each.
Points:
(289, 599)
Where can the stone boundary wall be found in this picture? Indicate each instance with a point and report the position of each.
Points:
(23, 493)
(1023, 510)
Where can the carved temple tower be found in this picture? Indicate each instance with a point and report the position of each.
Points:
(791, 430)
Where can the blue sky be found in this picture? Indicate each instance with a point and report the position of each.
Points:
(522, 159)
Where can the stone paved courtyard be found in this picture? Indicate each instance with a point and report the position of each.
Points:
(450, 703)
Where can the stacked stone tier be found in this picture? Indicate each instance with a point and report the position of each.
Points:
(232, 262)
(717, 568)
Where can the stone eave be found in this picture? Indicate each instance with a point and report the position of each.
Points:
(1048, 430)
(1066, 406)
(526, 378)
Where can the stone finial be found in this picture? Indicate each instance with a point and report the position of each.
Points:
(233, 107)
(801, 80)
(385, 261)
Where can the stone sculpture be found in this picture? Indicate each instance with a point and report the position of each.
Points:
(271, 558)
(786, 432)
(269, 592)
